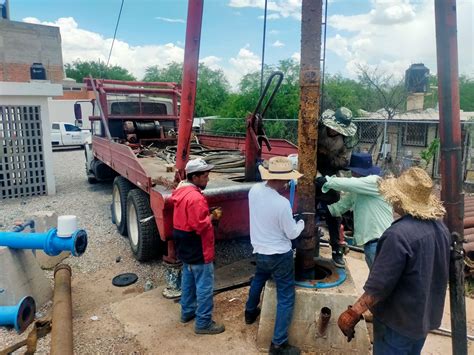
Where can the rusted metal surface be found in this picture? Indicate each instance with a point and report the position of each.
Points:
(323, 321)
(190, 73)
(451, 160)
(61, 334)
(310, 82)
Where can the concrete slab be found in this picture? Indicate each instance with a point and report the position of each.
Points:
(22, 276)
(303, 329)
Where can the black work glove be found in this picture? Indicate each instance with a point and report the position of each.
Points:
(320, 181)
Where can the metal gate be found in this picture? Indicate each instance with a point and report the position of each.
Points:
(22, 171)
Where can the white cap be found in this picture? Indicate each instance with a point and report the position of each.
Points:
(66, 226)
(197, 165)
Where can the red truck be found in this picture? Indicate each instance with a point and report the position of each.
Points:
(138, 123)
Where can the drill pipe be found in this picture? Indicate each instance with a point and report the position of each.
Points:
(468, 222)
(61, 334)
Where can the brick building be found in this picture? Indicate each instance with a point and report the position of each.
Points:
(22, 44)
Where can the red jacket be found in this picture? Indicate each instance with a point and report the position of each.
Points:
(193, 231)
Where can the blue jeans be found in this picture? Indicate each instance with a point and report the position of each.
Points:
(281, 268)
(389, 342)
(370, 250)
(197, 286)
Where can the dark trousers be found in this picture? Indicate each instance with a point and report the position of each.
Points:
(280, 267)
(333, 224)
(389, 342)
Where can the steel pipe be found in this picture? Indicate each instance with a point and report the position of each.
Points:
(451, 161)
(323, 321)
(469, 222)
(49, 241)
(190, 73)
(61, 333)
(19, 316)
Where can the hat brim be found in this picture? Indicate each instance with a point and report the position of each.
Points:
(347, 131)
(209, 167)
(266, 175)
(375, 170)
(391, 191)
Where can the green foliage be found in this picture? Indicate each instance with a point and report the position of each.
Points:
(466, 93)
(428, 154)
(79, 70)
(212, 88)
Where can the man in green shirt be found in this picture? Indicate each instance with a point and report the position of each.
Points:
(372, 214)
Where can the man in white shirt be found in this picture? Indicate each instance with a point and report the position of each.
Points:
(272, 228)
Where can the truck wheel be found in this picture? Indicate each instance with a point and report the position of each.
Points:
(142, 231)
(121, 188)
(91, 180)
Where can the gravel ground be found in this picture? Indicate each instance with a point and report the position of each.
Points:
(91, 204)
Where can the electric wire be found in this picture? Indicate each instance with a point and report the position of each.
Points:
(115, 32)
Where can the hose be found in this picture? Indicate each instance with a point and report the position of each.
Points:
(226, 161)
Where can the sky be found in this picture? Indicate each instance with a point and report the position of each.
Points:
(385, 34)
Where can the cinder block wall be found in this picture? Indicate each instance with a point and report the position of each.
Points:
(22, 44)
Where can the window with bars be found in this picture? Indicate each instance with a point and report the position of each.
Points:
(415, 134)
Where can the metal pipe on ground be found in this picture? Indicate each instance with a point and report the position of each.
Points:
(451, 161)
(469, 222)
(19, 316)
(61, 334)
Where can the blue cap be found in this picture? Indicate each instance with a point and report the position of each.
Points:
(361, 163)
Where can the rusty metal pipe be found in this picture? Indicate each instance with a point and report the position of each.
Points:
(469, 222)
(451, 161)
(61, 333)
(310, 83)
(468, 231)
(323, 321)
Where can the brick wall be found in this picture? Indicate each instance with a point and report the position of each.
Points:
(21, 72)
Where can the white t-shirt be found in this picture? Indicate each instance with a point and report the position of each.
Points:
(272, 226)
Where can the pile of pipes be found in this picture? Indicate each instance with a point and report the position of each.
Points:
(469, 234)
(67, 237)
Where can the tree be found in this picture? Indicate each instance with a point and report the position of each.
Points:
(78, 70)
(212, 86)
(388, 93)
(339, 91)
(466, 93)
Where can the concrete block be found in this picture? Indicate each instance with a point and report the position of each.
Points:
(303, 330)
(45, 220)
(22, 276)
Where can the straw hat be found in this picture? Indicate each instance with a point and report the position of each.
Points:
(279, 168)
(340, 121)
(413, 190)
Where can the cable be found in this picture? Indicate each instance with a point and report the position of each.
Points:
(115, 32)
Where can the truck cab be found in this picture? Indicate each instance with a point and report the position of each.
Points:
(65, 134)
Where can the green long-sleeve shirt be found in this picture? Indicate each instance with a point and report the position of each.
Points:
(372, 214)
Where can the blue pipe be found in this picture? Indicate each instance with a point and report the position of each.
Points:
(292, 192)
(19, 316)
(48, 241)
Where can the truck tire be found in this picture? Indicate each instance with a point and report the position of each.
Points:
(142, 231)
(120, 189)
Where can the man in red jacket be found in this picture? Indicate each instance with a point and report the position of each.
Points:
(193, 235)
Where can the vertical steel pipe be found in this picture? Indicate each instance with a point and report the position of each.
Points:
(451, 158)
(310, 83)
(61, 333)
(190, 74)
(323, 321)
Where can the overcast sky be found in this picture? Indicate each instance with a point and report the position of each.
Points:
(389, 34)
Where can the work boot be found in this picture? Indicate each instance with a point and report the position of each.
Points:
(214, 328)
(284, 349)
(186, 319)
(251, 317)
(337, 258)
